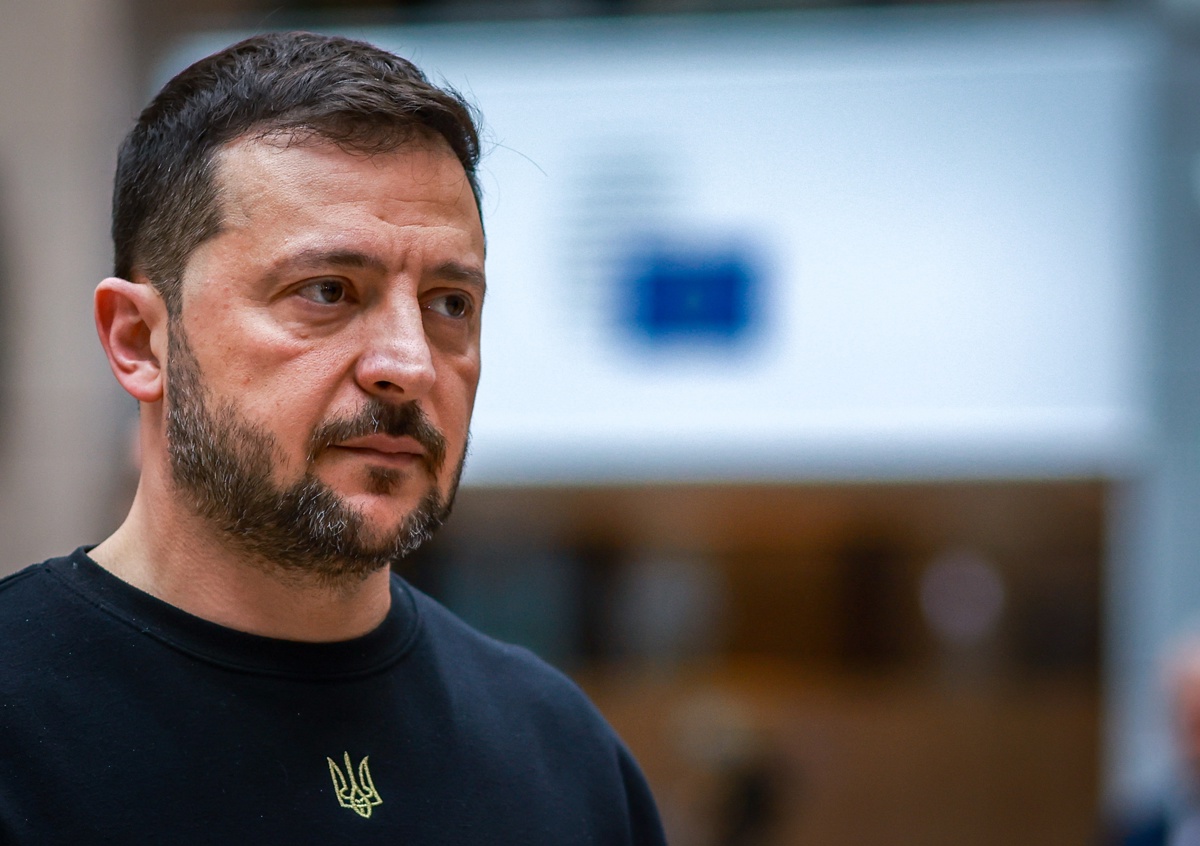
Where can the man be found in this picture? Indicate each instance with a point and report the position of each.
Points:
(296, 308)
(1176, 822)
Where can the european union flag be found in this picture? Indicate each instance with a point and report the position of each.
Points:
(698, 294)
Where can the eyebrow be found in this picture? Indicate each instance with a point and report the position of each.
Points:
(459, 272)
(317, 257)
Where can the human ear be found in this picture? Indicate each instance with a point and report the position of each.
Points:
(131, 319)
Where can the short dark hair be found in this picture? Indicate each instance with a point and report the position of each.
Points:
(308, 86)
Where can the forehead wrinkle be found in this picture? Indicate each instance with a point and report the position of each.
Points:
(249, 187)
(256, 161)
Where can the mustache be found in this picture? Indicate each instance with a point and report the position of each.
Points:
(381, 418)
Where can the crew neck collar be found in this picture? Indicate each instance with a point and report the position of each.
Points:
(237, 650)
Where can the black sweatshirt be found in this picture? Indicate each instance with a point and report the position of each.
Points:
(126, 720)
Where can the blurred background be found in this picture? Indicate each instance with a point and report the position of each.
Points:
(840, 422)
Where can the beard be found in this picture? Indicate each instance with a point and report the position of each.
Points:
(223, 464)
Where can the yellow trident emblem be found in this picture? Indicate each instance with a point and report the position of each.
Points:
(358, 795)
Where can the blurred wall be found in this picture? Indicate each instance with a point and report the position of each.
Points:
(1154, 566)
(65, 98)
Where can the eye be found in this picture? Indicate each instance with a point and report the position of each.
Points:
(325, 291)
(452, 305)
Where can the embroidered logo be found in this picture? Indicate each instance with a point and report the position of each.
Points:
(359, 795)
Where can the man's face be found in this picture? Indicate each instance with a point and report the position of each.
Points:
(322, 372)
(1187, 715)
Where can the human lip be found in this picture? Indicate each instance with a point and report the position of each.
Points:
(385, 446)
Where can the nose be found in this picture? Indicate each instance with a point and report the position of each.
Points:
(396, 363)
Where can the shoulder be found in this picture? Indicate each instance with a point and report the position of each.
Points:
(528, 723)
(42, 623)
(22, 613)
(494, 686)
(27, 595)
(472, 658)
(30, 600)
(12, 585)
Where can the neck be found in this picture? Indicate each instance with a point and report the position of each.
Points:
(180, 558)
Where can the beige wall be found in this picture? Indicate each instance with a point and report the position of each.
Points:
(66, 96)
